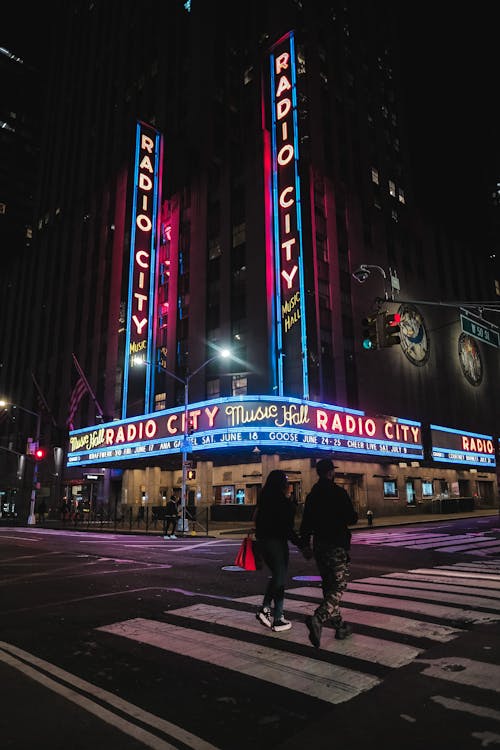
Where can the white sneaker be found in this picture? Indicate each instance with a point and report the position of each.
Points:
(264, 617)
(167, 536)
(173, 536)
(281, 624)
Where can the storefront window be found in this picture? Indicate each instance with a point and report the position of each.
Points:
(227, 494)
(390, 488)
(427, 489)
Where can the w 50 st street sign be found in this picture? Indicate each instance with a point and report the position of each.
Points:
(480, 329)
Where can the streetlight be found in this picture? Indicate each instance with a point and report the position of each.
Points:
(224, 353)
(362, 273)
(31, 517)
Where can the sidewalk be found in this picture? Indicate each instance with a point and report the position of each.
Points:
(237, 530)
(240, 530)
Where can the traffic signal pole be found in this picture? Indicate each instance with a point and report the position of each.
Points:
(184, 456)
(32, 516)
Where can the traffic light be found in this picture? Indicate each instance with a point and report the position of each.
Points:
(40, 454)
(370, 332)
(191, 473)
(391, 329)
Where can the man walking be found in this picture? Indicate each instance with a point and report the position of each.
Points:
(328, 511)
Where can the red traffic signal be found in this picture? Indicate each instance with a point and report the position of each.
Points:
(40, 454)
(392, 329)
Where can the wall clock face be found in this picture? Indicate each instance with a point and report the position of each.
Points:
(414, 337)
(470, 359)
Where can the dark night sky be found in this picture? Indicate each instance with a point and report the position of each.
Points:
(451, 93)
(449, 60)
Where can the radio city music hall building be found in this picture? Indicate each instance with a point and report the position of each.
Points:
(215, 181)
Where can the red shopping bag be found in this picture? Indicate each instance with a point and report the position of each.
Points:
(245, 558)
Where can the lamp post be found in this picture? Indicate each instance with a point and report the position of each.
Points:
(31, 517)
(362, 273)
(224, 353)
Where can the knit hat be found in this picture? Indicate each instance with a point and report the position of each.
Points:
(323, 466)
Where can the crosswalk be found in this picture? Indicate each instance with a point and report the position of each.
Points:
(482, 544)
(396, 618)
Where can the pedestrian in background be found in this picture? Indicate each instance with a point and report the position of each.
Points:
(274, 527)
(171, 516)
(41, 510)
(328, 512)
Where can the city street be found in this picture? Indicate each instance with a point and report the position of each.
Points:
(132, 641)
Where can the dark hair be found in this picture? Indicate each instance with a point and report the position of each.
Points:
(276, 482)
(324, 466)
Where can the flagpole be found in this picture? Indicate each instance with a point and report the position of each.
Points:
(87, 385)
(43, 400)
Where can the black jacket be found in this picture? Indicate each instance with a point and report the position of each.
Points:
(172, 510)
(328, 511)
(274, 518)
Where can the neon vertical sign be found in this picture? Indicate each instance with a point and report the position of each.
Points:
(290, 321)
(142, 270)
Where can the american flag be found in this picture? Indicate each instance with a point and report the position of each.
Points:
(77, 394)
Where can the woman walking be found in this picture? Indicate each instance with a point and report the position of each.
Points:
(274, 527)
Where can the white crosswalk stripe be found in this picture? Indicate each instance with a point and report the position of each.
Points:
(474, 543)
(433, 603)
(301, 673)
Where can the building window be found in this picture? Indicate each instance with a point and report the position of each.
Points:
(401, 195)
(390, 488)
(239, 234)
(239, 385)
(160, 401)
(392, 188)
(375, 178)
(213, 388)
(427, 488)
(214, 248)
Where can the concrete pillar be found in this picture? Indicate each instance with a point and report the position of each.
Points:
(269, 463)
(205, 482)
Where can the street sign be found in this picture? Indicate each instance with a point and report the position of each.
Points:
(482, 330)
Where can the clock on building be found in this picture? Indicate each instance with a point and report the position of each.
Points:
(470, 359)
(414, 337)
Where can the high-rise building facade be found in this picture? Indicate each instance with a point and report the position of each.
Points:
(224, 176)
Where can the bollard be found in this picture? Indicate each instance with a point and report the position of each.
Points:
(369, 515)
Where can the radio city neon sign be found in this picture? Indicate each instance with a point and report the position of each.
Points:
(145, 203)
(459, 446)
(287, 198)
(287, 222)
(256, 412)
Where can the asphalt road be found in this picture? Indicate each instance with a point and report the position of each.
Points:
(113, 641)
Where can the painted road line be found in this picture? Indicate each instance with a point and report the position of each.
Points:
(467, 708)
(381, 621)
(454, 582)
(413, 593)
(460, 572)
(408, 605)
(467, 587)
(365, 648)
(312, 677)
(464, 671)
(44, 673)
(394, 586)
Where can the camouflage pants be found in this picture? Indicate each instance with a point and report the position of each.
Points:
(333, 566)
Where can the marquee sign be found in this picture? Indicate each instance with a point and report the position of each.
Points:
(290, 318)
(243, 422)
(141, 289)
(458, 447)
